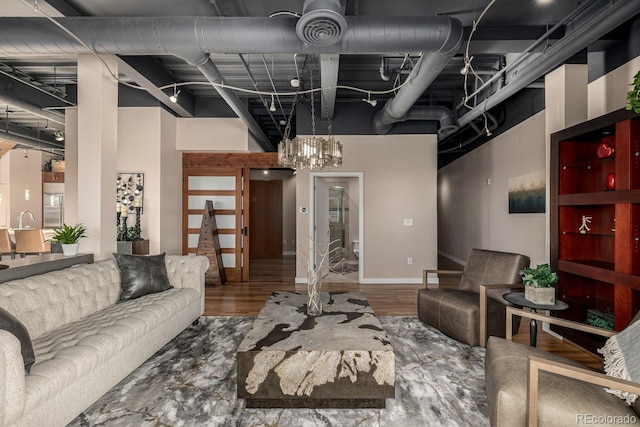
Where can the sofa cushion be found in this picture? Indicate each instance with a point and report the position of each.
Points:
(141, 275)
(48, 301)
(75, 349)
(8, 322)
(562, 400)
(456, 313)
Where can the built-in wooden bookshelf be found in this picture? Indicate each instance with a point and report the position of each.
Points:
(599, 269)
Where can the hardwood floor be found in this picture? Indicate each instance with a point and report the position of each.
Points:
(278, 274)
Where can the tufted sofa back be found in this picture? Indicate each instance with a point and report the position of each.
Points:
(46, 302)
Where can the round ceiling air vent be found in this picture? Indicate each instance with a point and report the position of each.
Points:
(321, 24)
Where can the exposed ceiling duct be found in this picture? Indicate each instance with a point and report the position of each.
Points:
(443, 115)
(322, 23)
(193, 38)
(595, 21)
(24, 141)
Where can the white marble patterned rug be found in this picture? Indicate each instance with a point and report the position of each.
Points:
(192, 382)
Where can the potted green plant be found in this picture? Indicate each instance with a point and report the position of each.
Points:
(633, 96)
(68, 237)
(539, 283)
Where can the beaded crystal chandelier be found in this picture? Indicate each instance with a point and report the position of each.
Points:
(312, 152)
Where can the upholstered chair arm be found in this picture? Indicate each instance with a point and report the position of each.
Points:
(425, 276)
(537, 364)
(483, 306)
(188, 272)
(13, 385)
(512, 311)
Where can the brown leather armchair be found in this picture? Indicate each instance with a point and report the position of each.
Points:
(527, 386)
(475, 309)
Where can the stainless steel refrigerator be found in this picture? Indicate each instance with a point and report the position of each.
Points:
(53, 205)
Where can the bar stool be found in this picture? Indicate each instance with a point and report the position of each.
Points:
(31, 242)
(7, 246)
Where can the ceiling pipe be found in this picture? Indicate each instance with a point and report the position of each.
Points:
(444, 116)
(584, 31)
(29, 142)
(193, 38)
(425, 72)
(11, 99)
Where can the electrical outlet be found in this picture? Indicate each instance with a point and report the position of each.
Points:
(409, 261)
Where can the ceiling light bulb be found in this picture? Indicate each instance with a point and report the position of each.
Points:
(295, 83)
(174, 97)
(272, 107)
(465, 70)
(59, 135)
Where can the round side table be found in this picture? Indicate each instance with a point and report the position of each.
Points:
(517, 298)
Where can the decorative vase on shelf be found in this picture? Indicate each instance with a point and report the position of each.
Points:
(314, 285)
(611, 182)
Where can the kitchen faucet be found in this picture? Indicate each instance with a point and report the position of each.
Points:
(20, 218)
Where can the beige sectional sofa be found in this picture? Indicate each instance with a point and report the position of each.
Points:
(84, 341)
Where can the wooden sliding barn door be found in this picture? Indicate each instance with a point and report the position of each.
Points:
(224, 179)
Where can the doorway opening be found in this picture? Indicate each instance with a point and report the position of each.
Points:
(337, 223)
(272, 225)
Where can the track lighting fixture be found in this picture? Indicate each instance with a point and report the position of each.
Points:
(59, 135)
(467, 66)
(368, 100)
(174, 97)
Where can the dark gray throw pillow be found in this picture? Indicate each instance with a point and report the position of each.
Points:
(141, 275)
(8, 322)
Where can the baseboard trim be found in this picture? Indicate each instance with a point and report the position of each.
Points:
(381, 281)
(392, 281)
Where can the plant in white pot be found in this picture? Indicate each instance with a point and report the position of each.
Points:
(538, 284)
(68, 237)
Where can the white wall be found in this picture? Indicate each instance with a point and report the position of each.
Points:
(212, 134)
(474, 214)
(609, 92)
(20, 173)
(399, 182)
(146, 143)
(171, 187)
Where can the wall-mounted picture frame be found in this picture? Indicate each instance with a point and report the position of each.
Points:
(527, 193)
(130, 190)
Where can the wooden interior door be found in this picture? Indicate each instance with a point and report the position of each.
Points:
(224, 179)
(222, 186)
(265, 218)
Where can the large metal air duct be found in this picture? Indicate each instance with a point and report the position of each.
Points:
(193, 38)
(444, 116)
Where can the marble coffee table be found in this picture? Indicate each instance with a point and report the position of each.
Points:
(341, 359)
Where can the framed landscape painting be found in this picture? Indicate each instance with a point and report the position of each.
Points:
(527, 193)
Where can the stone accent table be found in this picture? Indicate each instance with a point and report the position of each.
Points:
(341, 359)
